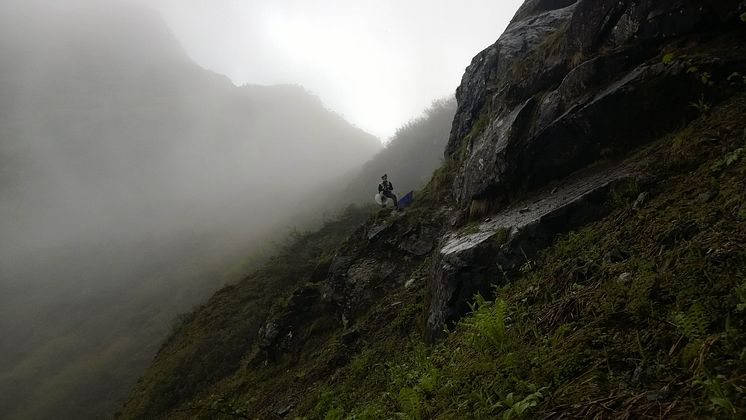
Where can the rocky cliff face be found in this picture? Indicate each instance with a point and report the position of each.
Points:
(548, 123)
(567, 84)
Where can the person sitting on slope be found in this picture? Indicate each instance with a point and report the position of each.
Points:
(385, 188)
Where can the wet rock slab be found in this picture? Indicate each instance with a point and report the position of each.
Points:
(471, 262)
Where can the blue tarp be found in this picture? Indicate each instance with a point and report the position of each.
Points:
(407, 199)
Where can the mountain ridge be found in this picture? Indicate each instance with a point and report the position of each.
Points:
(132, 181)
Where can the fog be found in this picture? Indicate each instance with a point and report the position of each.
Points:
(118, 130)
(377, 62)
(130, 175)
(134, 182)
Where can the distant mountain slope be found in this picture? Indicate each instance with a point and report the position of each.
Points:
(88, 98)
(415, 151)
(409, 159)
(121, 163)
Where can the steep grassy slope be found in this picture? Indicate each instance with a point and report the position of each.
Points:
(208, 344)
(583, 242)
(639, 315)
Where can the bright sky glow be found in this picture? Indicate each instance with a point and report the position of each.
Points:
(378, 63)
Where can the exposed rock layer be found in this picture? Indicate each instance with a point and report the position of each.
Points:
(569, 83)
(563, 87)
(506, 240)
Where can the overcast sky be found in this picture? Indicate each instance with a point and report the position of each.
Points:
(379, 63)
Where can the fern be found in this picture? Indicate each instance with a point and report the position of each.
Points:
(486, 327)
(517, 408)
(410, 402)
(693, 324)
(701, 105)
(741, 296)
(717, 394)
(728, 159)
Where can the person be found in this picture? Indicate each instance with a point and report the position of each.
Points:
(385, 188)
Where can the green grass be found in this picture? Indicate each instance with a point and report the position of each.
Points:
(570, 337)
(209, 345)
(640, 314)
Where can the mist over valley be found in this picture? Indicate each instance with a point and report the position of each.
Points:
(133, 180)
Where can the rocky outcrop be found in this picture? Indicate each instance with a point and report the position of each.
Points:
(363, 271)
(569, 82)
(487, 75)
(602, 24)
(289, 327)
(378, 258)
(472, 260)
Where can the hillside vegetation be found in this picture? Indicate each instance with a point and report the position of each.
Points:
(580, 253)
(638, 314)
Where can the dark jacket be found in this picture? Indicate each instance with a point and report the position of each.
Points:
(385, 187)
